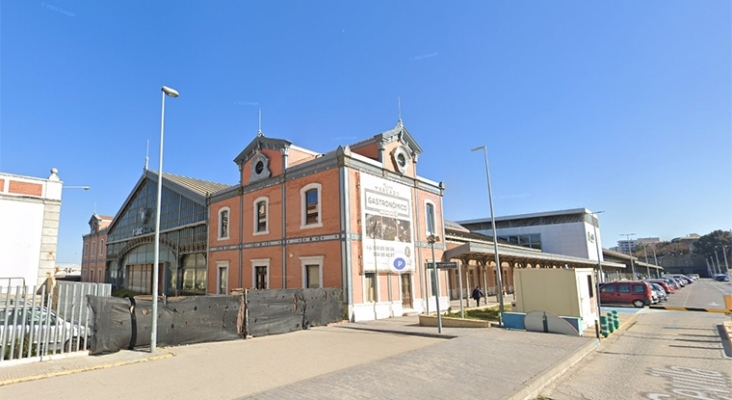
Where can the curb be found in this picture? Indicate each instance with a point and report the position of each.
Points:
(85, 369)
(535, 385)
(398, 332)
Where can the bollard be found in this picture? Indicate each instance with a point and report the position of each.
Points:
(603, 325)
(616, 320)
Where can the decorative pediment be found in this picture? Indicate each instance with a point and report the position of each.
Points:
(257, 145)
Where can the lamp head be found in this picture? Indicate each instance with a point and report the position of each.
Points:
(170, 92)
(478, 148)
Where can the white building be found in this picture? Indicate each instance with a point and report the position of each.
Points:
(29, 217)
(568, 232)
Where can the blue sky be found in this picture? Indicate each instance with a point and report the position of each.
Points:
(621, 106)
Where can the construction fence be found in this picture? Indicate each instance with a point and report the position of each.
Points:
(126, 323)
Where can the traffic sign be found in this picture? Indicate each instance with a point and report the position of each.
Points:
(447, 265)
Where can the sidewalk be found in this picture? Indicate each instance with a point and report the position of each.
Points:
(392, 358)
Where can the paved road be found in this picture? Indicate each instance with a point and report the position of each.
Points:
(704, 293)
(663, 355)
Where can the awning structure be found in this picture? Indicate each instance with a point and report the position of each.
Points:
(513, 256)
(625, 259)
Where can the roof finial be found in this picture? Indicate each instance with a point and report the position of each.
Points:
(399, 104)
(147, 153)
(260, 123)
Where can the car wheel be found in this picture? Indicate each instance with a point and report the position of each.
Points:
(638, 303)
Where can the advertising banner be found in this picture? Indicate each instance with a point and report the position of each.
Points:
(386, 212)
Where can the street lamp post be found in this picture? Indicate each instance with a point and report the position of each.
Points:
(655, 260)
(724, 253)
(600, 277)
(499, 281)
(630, 252)
(719, 266)
(154, 330)
(436, 276)
(648, 267)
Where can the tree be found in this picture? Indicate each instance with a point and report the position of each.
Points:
(713, 241)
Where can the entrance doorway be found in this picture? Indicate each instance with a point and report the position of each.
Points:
(406, 290)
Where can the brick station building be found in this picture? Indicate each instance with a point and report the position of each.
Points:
(357, 218)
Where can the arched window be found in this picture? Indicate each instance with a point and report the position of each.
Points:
(224, 223)
(101, 247)
(261, 214)
(311, 200)
(430, 217)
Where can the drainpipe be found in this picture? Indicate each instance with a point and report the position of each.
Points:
(346, 261)
(284, 151)
(418, 249)
(241, 236)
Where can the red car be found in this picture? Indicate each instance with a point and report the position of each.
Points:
(637, 293)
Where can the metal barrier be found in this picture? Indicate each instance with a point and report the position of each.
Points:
(44, 320)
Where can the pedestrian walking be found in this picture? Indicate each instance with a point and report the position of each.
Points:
(477, 294)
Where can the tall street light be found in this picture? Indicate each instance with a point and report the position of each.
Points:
(630, 252)
(432, 238)
(600, 277)
(724, 253)
(154, 331)
(495, 237)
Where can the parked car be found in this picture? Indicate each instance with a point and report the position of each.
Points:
(45, 328)
(637, 293)
(667, 285)
(660, 292)
(721, 277)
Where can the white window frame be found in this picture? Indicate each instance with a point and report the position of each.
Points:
(101, 247)
(260, 262)
(228, 227)
(255, 216)
(304, 206)
(219, 266)
(434, 216)
(312, 260)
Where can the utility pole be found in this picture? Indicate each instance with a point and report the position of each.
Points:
(630, 252)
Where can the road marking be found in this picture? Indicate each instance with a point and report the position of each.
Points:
(672, 308)
(691, 383)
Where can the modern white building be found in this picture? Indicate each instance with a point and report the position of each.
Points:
(571, 232)
(29, 217)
